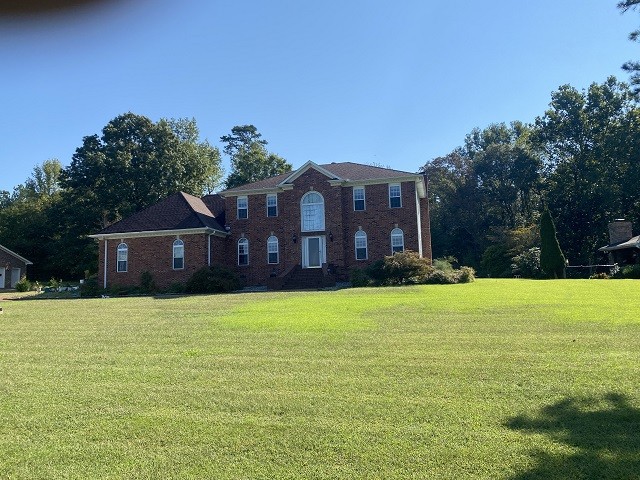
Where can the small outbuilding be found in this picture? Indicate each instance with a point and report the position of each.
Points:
(12, 268)
(623, 248)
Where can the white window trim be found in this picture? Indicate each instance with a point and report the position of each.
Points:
(322, 226)
(273, 195)
(173, 261)
(126, 260)
(243, 241)
(277, 252)
(246, 207)
(364, 198)
(361, 233)
(399, 185)
(401, 235)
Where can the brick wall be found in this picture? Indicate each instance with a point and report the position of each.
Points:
(155, 254)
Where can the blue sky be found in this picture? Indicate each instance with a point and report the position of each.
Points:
(396, 83)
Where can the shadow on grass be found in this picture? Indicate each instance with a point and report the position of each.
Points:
(603, 434)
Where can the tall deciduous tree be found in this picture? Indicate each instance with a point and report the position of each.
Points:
(552, 259)
(250, 160)
(633, 67)
(132, 165)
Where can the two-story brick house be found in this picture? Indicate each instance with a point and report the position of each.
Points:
(320, 219)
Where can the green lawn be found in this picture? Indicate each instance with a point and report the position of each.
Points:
(498, 379)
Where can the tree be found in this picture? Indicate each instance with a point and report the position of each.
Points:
(45, 179)
(250, 160)
(633, 67)
(589, 143)
(242, 136)
(132, 165)
(552, 259)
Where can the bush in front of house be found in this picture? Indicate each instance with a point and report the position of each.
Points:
(90, 288)
(147, 284)
(213, 279)
(23, 285)
(407, 268)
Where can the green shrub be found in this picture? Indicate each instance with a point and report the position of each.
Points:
(214, 279)
(147, 285)
(123, 290)
(23, 285)
(599, 276)
(176, 287)
(631, 271)
(375, 272)
(441, 277)
(406, 268)
(527, 264)
(53, 283)
(91, 288)
(466, 275)
(359, 278)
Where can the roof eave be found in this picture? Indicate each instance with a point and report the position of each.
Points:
(19, 257)
(159, 233)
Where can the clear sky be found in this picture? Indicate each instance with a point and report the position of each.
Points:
(396, 83)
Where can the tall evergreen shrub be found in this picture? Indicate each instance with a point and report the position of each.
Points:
(552, 259)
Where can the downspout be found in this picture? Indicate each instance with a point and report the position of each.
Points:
(419, 223)
(105, 263)
(209, 250)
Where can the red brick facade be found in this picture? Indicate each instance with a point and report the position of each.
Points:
(341, 224)
(153, 251)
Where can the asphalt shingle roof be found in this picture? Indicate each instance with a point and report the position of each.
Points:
(344, 170)
(176, 212)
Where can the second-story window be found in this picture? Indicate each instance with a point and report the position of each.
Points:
(395, 200)
(272, 205)
(312, 212)
(243, 207)
(358, 198)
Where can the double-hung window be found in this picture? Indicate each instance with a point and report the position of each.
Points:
(243, 251)
(123, 258)
(361, 245)
(272, 249)
(178, 255)
(272, 205)
(395, 200)
(243, 207)
(397, 241)
(358, 198)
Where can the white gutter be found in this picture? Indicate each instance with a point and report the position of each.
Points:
(159, 233)
(105, 263)
(419, 224)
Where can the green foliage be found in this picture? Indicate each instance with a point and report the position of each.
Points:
(147, 284)
(23, 285)
(630, 271)
(213, 279)
(405, 268)
(359, 278)
(176, 287)
(91, 288)
(552, 261)
(633, 67)
(527, 264)
(599, 276)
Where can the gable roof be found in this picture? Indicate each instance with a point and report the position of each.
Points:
(14, 254)
(342, 172)
(179, 211)
(633, 242)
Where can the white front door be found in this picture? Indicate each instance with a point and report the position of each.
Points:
(2, 277)
(15, 277)
(313, 252)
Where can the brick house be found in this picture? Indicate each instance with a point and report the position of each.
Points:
(12, 268)
(308, 227)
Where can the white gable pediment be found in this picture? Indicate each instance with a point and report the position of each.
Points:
(304, 168)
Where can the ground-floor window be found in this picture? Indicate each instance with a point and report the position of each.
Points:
(361, 245)
(122, 258)
(243, 251)
(178, 255)
(272, 249)
(397, 241)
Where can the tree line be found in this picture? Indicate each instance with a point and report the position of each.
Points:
(131, 165)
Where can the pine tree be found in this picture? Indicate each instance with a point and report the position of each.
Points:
(552, 259)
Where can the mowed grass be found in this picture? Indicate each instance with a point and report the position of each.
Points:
(498, 379)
